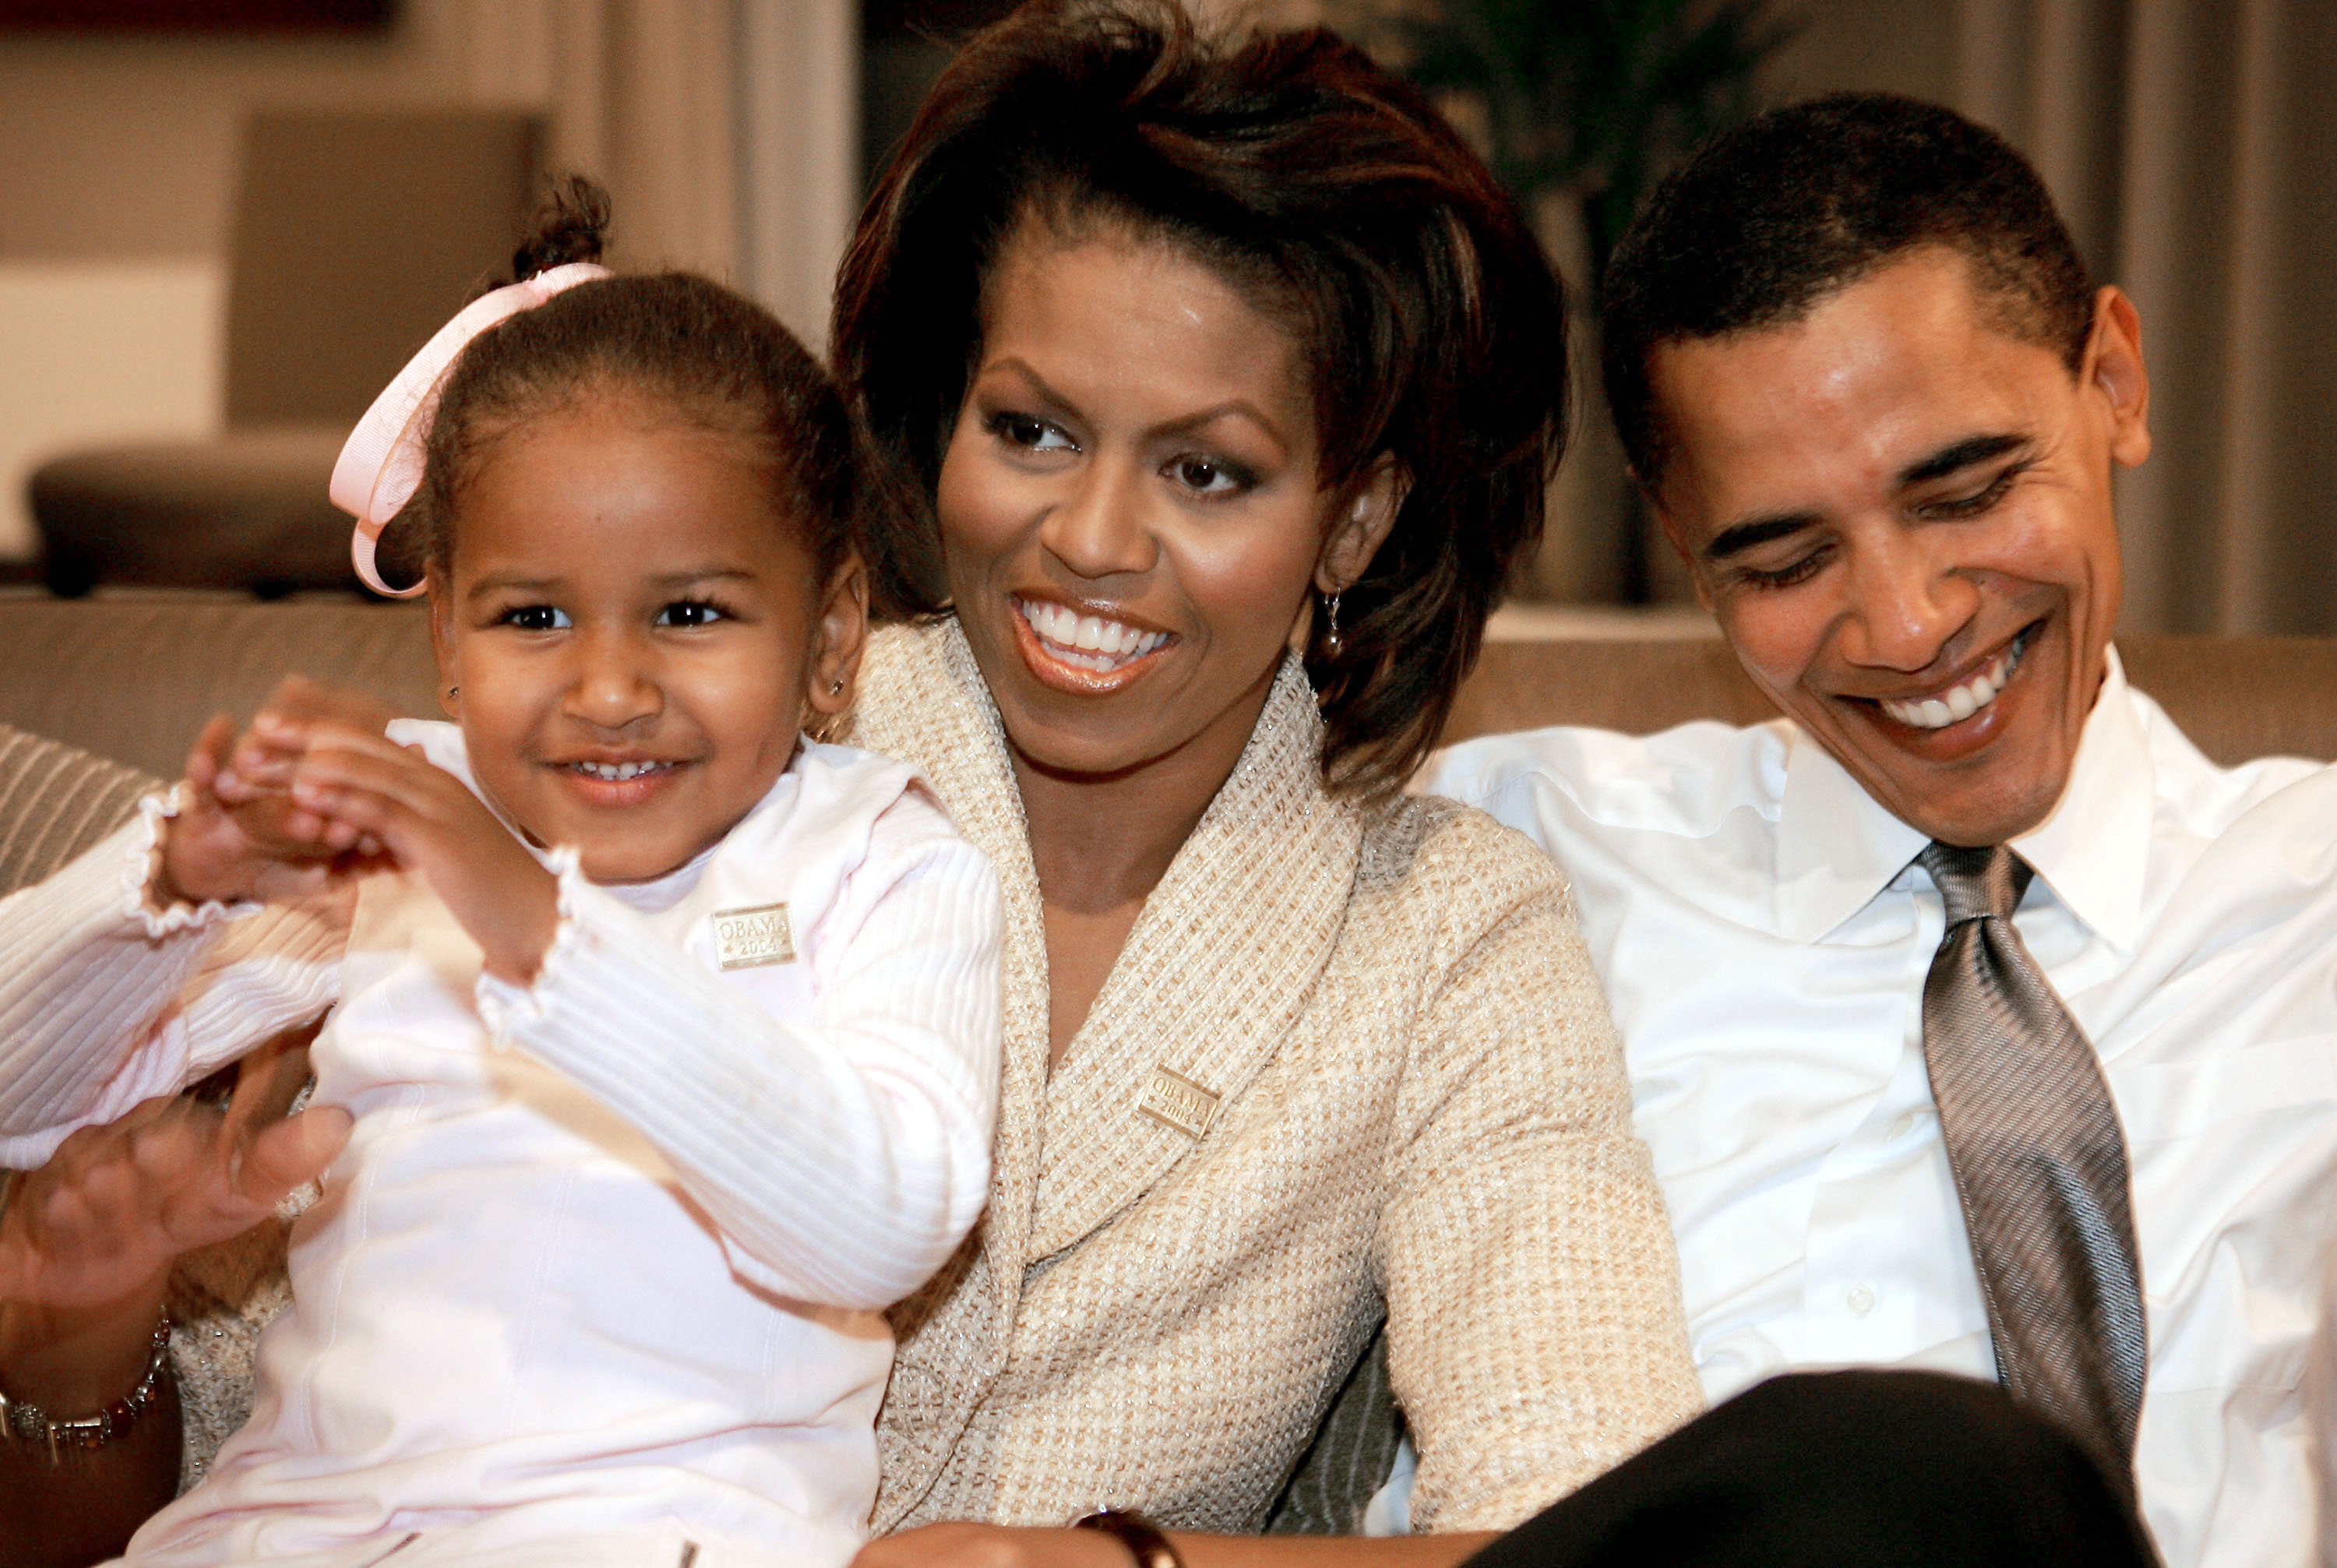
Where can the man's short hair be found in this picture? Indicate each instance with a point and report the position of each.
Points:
(1773, 217)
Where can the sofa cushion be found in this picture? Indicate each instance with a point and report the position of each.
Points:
(55, 802)
(133, 676)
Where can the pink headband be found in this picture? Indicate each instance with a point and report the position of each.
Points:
(381, 465)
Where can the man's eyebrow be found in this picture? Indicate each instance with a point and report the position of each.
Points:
(1957, 455)
(1754, 532)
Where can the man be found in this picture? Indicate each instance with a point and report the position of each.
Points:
(1863, 379)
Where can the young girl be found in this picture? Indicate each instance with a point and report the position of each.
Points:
(671, 1038)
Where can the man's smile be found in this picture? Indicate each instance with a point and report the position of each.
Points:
(1959, 701)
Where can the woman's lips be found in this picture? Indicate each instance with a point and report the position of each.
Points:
(1085, 653)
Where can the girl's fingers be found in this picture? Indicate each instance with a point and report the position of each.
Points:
(328, 778)
(210, 752)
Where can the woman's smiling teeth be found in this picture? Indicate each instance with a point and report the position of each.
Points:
(1958, 703)
(618, 772)
(1089, 642)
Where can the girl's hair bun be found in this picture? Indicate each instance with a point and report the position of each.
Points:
(571, 226)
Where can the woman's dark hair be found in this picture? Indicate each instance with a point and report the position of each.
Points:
(1770, 218)
(1337, 199)
(717, 358)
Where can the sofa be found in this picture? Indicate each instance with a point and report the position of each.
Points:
(130, 677)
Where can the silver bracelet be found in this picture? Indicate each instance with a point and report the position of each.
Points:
(24, 1422)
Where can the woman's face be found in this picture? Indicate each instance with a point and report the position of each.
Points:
(1128, 504)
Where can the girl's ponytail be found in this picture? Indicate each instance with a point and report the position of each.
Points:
(571, 226)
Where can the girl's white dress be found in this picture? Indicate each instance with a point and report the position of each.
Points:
(599, 1277)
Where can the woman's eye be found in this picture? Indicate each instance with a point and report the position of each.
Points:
(536, 618)
(1209, 476)
(691, 612)
(1029, 432)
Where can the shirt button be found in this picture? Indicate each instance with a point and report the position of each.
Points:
(1860, 1299)
(1908, 1123)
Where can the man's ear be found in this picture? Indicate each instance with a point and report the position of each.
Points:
(838, 640)
(2114, 367)
(1366, 515)
(442, 647)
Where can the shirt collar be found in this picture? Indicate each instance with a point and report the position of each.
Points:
(1838, 847)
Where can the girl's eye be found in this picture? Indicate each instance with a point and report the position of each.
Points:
(1029, 432)
(691, 612)
(536, 618)
(1209, 476)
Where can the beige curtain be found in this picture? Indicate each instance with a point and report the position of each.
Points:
(725, 130)
(2193, 147)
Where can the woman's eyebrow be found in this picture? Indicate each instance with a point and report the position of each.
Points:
(1231, 408)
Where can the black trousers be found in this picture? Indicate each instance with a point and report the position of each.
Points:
(1832, 1468)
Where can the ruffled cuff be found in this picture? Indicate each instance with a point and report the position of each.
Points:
(506, 1008)
(142, 874)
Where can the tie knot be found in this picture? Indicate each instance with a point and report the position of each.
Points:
(1973, 882)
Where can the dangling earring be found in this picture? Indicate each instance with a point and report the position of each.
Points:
(1332, 641)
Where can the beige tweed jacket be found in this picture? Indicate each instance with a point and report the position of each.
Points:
(1423, 1111)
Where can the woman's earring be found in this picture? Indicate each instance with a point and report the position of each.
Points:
(1332, 641)
(453, 692)
(836, 686)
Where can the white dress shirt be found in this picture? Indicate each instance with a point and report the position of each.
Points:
(1765, 938)
(599, 1275)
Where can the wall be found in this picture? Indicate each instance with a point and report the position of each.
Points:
(725, 129)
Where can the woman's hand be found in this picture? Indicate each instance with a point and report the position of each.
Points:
(238, 833)
(366, 788)
(103, 1220)
(992, 1546)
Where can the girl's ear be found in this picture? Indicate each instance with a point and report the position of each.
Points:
(442, 645)
(841, 633)
(1365, 515)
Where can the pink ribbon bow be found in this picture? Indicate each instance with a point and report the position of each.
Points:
(380, 467)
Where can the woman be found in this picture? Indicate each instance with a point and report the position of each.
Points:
(1194, 352)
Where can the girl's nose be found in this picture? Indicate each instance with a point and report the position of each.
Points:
(1097, 528)
(616, 685)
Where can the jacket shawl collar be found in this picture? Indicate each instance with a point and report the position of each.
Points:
(1218, 967)
(1216, 973)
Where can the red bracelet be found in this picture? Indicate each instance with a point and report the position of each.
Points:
(1145, 1541)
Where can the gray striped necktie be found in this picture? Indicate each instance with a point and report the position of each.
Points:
(2039, 1164)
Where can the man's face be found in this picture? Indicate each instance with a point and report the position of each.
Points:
(1900, 514)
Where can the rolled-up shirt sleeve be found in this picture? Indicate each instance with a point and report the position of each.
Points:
(843, 1156)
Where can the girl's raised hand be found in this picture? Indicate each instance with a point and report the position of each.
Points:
(368, 787)
(238, 834)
